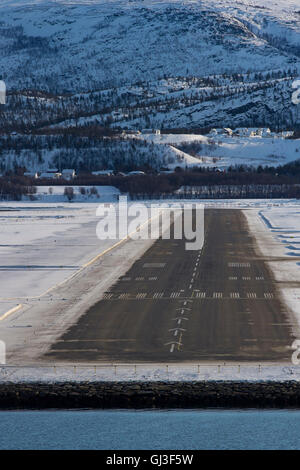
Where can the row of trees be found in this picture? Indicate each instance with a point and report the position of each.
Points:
(12, 190)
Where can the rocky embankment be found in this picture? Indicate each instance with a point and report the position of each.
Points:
(150, 394)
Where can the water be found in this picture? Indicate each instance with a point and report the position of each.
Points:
(167, 429)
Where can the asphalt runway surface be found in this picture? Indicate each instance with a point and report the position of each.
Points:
(215, 304)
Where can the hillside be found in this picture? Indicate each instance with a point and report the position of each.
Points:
(149, 63)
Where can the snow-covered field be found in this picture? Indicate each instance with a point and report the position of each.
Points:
(81, 194)
(277, 230)
(223, 151)
(43, 244)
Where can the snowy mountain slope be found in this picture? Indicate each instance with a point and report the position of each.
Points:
(67, 46)
(144, 63)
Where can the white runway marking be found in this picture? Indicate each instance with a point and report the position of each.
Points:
(234, 295)
(239, 265)
(124, 296)
(201, 295)
(232, 278)
(175, 295)
(217, 295)
(141, 295)
(158, 295)
(251, 295)
(269, 295)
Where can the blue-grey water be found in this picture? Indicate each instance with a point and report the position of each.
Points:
(147, 429)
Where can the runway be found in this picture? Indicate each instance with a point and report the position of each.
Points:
(219, 303)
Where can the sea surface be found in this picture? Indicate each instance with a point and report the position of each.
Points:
(150, 429)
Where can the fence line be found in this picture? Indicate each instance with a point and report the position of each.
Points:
(147, 371)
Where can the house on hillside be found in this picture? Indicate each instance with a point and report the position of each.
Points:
(286, 134)
(68, 174)
(242, 132)
(265, 132)
(220, 131)
(31, 174)
(103, 173)
(52, 170)
(50, 176)
(137, 173)
(130, 132)
(51, 173)
(253, 132)
(151, 131)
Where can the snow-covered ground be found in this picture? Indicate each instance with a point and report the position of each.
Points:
(277, 231)
(42, 244)
(45, 244)
(223, 151)
(81, 193)
(151, 372)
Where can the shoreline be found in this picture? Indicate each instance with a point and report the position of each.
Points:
(155, 395)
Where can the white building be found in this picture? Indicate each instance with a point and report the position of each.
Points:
(253, 132)
(136, 173)
(151, 131)
(221, 131)
(2, 92)
(31, 174)
(52, 170)
(103, 173)
(50, 175)
(68, 174)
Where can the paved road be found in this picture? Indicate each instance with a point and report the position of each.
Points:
(219, 303)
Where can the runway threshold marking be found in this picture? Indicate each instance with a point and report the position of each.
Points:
(251, 295)
(269, 295)
(158, 295)
(234, 295)
(142, 295)
(218, 295)
(239, 265)
(176, 296)
(200, 295)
